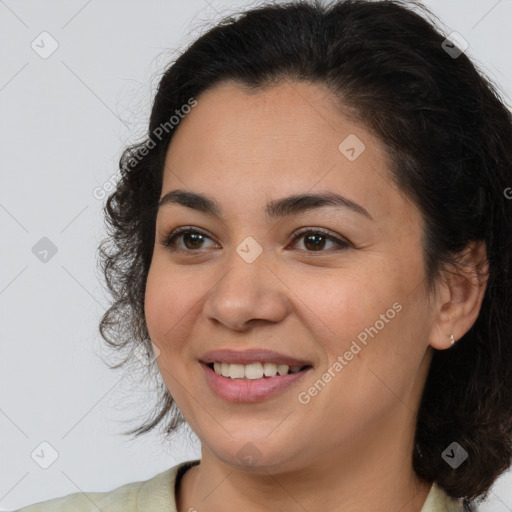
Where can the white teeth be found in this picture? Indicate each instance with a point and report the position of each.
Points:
(236, 371)
(270, 369)
(225, 369)
(253, 370)
(282, 369)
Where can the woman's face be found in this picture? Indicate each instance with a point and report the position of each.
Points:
(355, 312)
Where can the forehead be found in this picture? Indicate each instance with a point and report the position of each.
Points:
(246, 147)
(285, 122)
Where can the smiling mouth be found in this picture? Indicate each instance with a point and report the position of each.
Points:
(254, 371)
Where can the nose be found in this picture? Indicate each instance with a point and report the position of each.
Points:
(247, 293)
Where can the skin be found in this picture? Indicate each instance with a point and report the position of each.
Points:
(349, 449)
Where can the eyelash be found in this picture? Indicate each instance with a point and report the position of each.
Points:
(170, 239)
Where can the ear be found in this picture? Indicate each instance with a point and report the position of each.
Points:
(460, 295)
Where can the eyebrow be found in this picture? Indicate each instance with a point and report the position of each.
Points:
(275, 209)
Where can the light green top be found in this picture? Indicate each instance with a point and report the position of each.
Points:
(157, 495)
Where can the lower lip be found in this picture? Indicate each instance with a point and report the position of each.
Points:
(249, 390)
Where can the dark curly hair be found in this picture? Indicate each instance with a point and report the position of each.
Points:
(449, 136)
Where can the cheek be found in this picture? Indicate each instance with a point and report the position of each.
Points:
(166, 319)
(342, 303)
(153, 303)
(172, 302)
(163, 304)
(369, 320)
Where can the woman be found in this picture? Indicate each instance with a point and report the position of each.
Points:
(369, 374)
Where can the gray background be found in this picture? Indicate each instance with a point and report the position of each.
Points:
(64, 120)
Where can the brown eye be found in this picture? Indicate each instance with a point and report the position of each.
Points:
(192, 240)
(314, 240)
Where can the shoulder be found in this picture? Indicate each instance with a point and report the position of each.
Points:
(439, 501)
(156, 494)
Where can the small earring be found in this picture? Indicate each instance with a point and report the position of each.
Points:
(452, 339)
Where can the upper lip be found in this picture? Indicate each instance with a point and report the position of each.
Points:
(254, 355)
